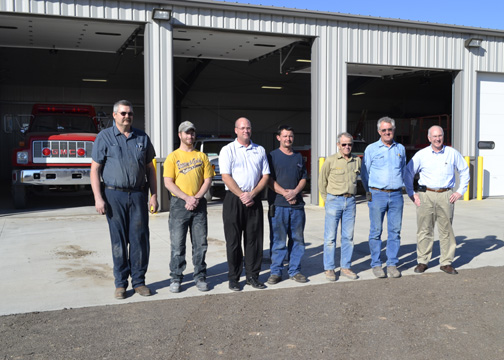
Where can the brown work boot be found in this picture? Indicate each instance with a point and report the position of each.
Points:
(143, 290)
(349, 274)
(330, 275)
(120, 293)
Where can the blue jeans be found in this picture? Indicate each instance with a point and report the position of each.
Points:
(128, 219)
(180, 221)
(287, 222)
(339, 208)
(392, 204)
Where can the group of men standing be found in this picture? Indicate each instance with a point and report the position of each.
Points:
(384, 173)
(122, 173)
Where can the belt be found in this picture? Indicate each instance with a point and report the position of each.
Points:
(347, 195)
(438, 190)
(385, 190)
(141, 188)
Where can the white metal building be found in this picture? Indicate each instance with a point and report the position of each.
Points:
(222, 41)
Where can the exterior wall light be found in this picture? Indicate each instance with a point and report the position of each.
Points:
(473, 43)
(161, 14)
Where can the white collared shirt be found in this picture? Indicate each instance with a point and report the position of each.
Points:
(437, 169)
(245, 164)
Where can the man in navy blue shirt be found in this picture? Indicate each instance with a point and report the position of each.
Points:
(382, 177)
(122, 157)
(287, 180)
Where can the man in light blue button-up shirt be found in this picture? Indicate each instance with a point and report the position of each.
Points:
(382, 177)
(435, 198)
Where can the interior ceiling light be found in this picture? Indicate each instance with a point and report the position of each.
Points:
(358, 93)
(304, 60)
(107, 34)
(95, 80)
(272, 87)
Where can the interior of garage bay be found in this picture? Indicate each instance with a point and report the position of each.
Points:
(218, 77)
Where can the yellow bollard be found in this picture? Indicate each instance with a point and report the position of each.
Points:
(321, 201)
(466, 195)
(154, 162)
(479, 188)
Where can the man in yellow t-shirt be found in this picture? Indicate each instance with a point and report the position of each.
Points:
(188, 175)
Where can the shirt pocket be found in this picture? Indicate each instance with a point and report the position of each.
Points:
(338, 176)
(337, 172)
(380, 161)
(141, 154)
(447, 169)
(140, 151)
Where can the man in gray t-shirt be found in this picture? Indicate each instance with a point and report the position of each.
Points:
(122, 157)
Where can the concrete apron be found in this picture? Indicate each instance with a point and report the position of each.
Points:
(61, 258)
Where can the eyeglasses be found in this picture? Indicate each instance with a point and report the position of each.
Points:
(244, 128)
(124, 113)
(387, 130)
(345, 145)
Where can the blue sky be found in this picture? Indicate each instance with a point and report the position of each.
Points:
(487, 14)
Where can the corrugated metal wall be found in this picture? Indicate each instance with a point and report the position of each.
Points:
(340, 39)
(104, 10)
(366, 41)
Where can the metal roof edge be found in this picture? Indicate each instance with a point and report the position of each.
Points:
(322, 15)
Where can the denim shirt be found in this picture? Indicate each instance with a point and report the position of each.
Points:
(124, 160)
(383, 166)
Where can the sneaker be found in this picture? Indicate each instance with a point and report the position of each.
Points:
(175, 286)
(299, 278)
(349, 274)
(274, 279)
(201, 284)
(330, 275)
(393, 272)
(120, 293)
(143, 290)
(378, 272)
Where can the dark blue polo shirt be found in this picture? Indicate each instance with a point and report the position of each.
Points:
(124, 160)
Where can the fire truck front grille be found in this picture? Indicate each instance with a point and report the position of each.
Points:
(57, 151)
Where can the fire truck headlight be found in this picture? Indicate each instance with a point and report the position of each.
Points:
(22, 157)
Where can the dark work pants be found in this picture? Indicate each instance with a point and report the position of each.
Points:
(247, 221)
(128, 219)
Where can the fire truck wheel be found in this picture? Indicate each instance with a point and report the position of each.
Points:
(20, 196)
(208, 195)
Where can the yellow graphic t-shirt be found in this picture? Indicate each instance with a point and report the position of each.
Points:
(188, 170)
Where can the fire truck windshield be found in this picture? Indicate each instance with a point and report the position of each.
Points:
(63, 124)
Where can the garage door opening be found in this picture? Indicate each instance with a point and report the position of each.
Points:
(220, 76)
(415, 98)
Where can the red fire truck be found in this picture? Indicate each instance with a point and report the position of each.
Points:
(56, 151)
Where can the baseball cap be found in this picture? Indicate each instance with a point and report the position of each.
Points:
(186, 126)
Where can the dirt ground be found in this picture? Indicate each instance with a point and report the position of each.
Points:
(415, 317)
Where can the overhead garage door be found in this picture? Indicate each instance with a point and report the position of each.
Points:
(491, 128)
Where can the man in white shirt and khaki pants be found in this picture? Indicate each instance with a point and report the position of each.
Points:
(435, 198)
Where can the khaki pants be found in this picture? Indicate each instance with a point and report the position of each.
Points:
(435, 207)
